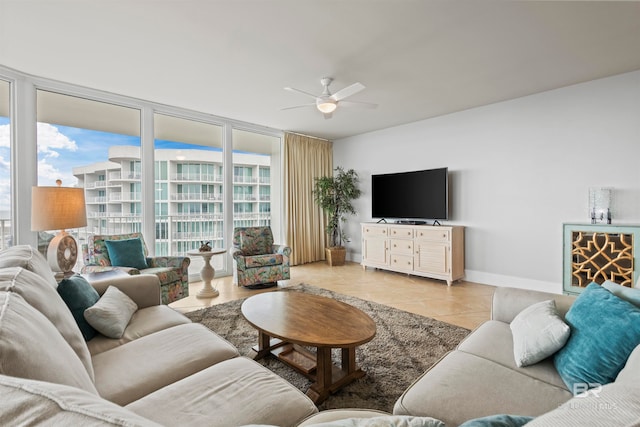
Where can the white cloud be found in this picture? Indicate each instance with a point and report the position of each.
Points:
(49, 140)
(48, 174)
(4, 135)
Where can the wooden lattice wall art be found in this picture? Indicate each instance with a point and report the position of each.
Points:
(598, 256)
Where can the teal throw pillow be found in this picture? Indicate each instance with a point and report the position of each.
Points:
(604, 331)
(126, 253)
(500, 420)
(628, 294)
(79, 295)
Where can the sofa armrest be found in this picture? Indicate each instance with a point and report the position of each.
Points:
(180, 262)
(508, 302)
(238, 257)
(282, 249)
(143, 289)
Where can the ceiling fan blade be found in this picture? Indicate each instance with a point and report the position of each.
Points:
(348, 91)
(298, 106)
(292, 89)
(357, 104)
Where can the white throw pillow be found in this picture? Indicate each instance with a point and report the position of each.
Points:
(389, 420)
(538, 332)
(112, 313)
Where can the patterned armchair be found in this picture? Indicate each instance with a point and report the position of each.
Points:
(256, 260)
(173, 271)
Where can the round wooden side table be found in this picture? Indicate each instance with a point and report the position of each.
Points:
(207, 273)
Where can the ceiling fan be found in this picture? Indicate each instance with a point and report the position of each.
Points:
(327, 103)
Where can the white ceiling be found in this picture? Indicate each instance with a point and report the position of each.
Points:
(232, 58)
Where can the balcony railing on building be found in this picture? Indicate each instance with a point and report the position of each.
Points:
(202, 177)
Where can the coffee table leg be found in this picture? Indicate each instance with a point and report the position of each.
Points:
(320, 390)
(264, 345)
(349, 360)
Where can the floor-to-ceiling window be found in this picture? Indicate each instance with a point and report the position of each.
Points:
(94, 145)
(113, 146)
(256, 179)
(191, 210)
(6, 234)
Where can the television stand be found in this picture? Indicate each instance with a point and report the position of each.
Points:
(434, 252)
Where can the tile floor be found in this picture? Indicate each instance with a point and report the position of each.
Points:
(464, 304)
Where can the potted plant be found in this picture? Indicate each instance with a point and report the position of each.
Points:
(334, 195)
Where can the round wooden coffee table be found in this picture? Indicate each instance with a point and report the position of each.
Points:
(288, 320)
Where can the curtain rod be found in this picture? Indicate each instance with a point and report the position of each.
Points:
(308, 136)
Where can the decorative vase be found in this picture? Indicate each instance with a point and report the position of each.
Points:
(335, 256)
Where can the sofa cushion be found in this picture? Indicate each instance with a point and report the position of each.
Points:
(538, 332)
(140, 367)
(40, 295)
(630, 374)
(499, 420)
(28, 402)
(30, 259)
(79, 295)
(31, 347)
(262, 260)
(97, 248)
(234, 392)
(450, 391)
(611, 405)
(383, 420)
(127, 253)
(340, 414)
(112, 313)
(493, 341)
(628, 294)
(604, 331)
(145, 321)
(255, 240)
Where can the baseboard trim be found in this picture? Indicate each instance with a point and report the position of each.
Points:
(512, 281)
(485, 278)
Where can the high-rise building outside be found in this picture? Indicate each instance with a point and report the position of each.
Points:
(188, 195)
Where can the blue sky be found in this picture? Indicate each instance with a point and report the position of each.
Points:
(61, 148)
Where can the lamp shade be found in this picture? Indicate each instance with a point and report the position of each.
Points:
(57, 208)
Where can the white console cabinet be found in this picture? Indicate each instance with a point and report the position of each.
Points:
(423, 250)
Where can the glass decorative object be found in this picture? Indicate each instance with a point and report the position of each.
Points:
(600, 205)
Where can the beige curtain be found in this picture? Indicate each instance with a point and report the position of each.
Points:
(305, 158)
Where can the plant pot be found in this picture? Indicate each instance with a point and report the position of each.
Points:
(335, 256)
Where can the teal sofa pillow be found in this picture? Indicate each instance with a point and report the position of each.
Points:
(79, 295)
(500, 420)
(604, 331)
(126, 253)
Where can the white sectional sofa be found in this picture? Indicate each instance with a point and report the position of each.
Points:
(481, 378)
(164, 370)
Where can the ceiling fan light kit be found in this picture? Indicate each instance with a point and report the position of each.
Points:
(327, 103)
(326, 106)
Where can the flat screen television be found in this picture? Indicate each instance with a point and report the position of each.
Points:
(411, 195)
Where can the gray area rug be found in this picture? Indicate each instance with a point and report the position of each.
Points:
(404, 347)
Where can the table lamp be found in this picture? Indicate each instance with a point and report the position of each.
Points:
(57, 208)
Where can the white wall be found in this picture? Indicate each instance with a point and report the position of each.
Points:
(519, 169)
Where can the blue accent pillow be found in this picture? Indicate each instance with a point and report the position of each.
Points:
(604, 331)
(79, 295)
(500, 420)
(126, 253)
